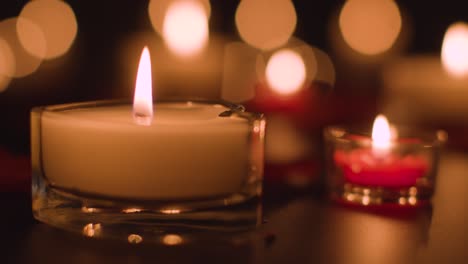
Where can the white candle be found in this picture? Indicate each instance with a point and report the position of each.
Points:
(430, 87)
(419, 88)
(188, 151)
(162, 151)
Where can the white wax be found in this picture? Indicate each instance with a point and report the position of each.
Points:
(187, 152)
(419, 88)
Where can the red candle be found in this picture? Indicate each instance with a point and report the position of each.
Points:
(364, 167)
(377, 165)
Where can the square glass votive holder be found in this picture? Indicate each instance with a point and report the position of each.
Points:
(402, 175)
(198, 166)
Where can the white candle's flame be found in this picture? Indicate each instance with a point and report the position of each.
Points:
(143, 99)
(381, 133)
(455, 50)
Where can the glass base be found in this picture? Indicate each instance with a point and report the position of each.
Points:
(377, 196)
(135, 221)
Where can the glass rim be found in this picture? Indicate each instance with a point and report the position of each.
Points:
(358, 135)
(234, 109)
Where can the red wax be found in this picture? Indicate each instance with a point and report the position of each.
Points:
(365, 167)
(15, 172)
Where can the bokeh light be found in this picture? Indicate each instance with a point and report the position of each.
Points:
(185, 27)
(370, 26)
(455, 50)
(31, 37)
(285, 71)
(25, 63)
(7, 64)
(266, 24)
(157, 11)
(57, 22)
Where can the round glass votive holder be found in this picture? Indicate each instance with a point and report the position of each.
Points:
(402, 175)
(198, 166)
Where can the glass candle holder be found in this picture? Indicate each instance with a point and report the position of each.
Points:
(198, 165)
(402, 175)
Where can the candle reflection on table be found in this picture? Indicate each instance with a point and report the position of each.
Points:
(447, 234)
(352, 236)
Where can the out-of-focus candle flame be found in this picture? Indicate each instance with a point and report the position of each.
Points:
(24, 62)
(285, 72)
(157, 10)
(143, 99)
(185, 28)
(455, 50)
(266, 24)
(7, 64)
(47, 28)
(381, 133)
(370, 27)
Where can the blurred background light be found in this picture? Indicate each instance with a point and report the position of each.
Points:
(266, 24)
(25, 63)
(370, 27)
(31, 37)
(157, 10)
(7, 64)
(185, 27)
(56, 20)
(455, 50)
(285, 71)
(174, 76)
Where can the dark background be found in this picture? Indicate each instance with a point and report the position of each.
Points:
(300, 227)
(90, 69)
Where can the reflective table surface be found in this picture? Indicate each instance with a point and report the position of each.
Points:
(299, 227)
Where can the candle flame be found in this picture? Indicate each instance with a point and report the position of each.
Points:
(381, 133)
(455, 50)
(285, 72)
(143, 99)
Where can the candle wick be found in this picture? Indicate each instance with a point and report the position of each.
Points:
(142, 119)
(226, 113)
